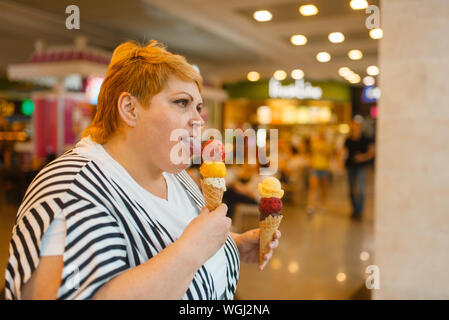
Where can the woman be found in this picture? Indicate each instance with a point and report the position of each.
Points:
(115, 218)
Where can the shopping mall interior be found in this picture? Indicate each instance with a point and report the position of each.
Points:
(356, 89)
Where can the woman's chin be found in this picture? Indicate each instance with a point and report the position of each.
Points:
(176, 168)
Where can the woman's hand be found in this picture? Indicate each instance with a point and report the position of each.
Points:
(207, 233)
(248, 245)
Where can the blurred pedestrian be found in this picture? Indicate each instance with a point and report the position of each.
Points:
(359, 151)
(321, 153)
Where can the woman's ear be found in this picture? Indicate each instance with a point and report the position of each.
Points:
(127, 109)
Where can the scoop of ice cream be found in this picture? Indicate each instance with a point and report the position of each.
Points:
(270, 187)
(213, 150)
(213, 169)
(219, 183)
(270, 205)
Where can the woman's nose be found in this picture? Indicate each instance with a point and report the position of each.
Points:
(196, 120)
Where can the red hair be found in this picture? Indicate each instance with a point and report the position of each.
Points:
(142, 71)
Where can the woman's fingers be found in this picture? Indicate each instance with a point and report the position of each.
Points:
(277, 235)
(273, 244)
(266, 258)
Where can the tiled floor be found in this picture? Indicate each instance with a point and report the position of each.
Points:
(313, 250)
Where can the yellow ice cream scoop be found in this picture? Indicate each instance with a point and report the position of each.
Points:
(214, 169)
(270, 187)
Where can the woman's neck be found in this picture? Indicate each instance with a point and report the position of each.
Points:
(141, 169)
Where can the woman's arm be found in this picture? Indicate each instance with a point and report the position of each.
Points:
(45, 280)
(165, 276)
(169, 274)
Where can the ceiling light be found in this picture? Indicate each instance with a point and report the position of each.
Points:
(355, 54)
(308, 10)
(298, 40)
(376, 33)
(341, 277)
(323, 57)
(368, 81)
(262, 15)
(344, 71)
(297, 74)
(253, 76)
(354, 78)
(358, 4)
(349, 75)
(336, 37)
(280, 75)
(372, 70)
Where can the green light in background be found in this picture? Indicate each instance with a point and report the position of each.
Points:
(27, 107)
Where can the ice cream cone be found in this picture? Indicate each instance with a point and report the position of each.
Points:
(268, 227)
(212, 196)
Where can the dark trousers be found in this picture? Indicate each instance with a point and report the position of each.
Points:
(231, 198)
(356, 177)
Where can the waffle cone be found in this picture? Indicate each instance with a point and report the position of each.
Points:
(268, 227)
(212, 196)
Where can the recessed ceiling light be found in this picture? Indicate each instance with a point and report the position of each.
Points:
(372, 70)
(355, 54)
(262, 15)
(354, 78)
(369, 81)
(344, 71)
(308, 10)
(376, 33)
(336, 37)
(298, 40)
(349, 75)
(280, 75)
(297, 74)
(253, 76)
(358, 4)
(323, 57)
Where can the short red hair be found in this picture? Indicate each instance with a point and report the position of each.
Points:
(143, 72)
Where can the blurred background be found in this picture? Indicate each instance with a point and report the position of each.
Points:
(361, 111)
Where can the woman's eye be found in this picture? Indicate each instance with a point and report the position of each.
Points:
(182, 102)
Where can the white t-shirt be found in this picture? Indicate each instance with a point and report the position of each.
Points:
(175, 213)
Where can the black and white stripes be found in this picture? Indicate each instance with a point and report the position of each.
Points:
(108, 231)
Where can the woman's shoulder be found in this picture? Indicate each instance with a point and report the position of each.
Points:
(55, 183)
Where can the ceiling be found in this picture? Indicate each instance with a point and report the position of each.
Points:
(220, 36)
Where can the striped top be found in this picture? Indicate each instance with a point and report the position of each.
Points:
(109, 229)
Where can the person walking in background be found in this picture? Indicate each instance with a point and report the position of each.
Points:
(359, 151)
(321, 153)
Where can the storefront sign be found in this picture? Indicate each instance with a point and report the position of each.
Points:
(299, 90)
(370, 94)
(6, 108)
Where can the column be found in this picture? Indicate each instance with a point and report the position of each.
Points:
(412, 164)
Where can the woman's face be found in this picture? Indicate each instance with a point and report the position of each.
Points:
(176, 107)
